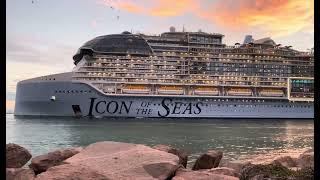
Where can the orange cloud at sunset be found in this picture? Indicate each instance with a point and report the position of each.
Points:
(130, 7)
(272, 17)
(169, 8)
(163, 8)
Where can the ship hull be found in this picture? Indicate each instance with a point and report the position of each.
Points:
(63, 98)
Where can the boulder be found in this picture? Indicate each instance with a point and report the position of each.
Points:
(183, 156)
(69, 171)
(41, 163)
(259, 171)
(223, 171)
(115, 160)
(306, 159)
(237, 166)
(19, 174)
(209, 160)
(16, 156)
(186, 174)
(286, 161)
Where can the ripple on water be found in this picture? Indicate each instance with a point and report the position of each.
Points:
(238, 139)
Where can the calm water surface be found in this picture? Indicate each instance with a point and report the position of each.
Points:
(237, 138)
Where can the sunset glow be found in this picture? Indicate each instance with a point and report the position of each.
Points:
(273, 17)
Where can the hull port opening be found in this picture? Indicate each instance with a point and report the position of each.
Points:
(77, 110)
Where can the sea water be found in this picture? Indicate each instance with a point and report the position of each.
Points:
(239, 139)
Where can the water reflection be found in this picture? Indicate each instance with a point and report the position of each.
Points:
(238, 138)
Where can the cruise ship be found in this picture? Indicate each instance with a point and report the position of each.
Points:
(176, 74)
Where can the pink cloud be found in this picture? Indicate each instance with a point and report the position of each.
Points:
(274, 17)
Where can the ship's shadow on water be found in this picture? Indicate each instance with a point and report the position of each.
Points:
(237, 138)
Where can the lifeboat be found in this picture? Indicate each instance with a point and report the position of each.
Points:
(272, 92)
(206, 91)
(136, 89)
(109, 89)
(239, 92)
(173, 90)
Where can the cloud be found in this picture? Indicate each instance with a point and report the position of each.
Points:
(274, 17)
(163, 8)
(34, 51)
(271, 17)
(29, 57)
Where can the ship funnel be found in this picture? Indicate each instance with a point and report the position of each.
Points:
(248, 39)
(172, 29)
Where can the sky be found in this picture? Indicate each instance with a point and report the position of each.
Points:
(43, 35)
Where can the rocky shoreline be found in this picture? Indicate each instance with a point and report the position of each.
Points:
(110, 160)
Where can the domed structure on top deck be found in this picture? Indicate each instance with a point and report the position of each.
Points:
(124, 43)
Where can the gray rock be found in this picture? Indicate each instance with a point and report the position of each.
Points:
(209, 160)
(19, 174)
(306, 159)
(186, 174)
(286, 161)
(115, 160)
(41, 163)
(183, 156)
(16, 156)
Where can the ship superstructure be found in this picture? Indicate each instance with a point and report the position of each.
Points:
(187, 74)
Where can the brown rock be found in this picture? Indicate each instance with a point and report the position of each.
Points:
(185, 174)
(115, 160)
(69, 171)
(16, 156)
(223, 171)
(19, 174)
(237, 166)
(306, 159)
(286, 161)
(43, 162)
(183, 156)
(209, 160)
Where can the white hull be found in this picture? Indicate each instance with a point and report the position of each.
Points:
(35, 98)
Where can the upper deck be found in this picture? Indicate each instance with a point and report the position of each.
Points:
(192, 63)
